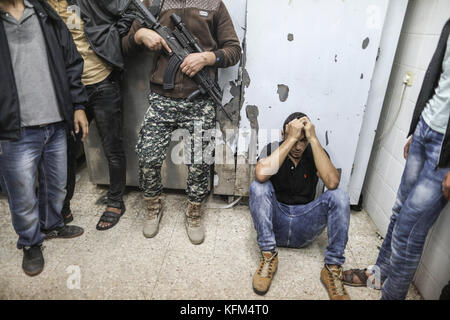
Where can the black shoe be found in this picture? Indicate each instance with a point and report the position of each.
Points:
(33, 260)
(65, 232)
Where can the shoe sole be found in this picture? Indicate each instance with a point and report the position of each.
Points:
(64, 237)
(33, 274)
(196, 243)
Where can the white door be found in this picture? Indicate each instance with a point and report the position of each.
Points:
(313, 56)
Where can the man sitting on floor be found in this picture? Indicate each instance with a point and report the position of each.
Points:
(283, 208)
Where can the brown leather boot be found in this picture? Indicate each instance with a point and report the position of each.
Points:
(194, 224)
(267, 268)
(331, 276)
(154, 213)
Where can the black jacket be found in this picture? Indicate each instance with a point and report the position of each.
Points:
(430, 83)
(105, 23)
(66, 67)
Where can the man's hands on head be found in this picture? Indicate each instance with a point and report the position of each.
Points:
(151, 39)
(297, 129)
(294, 130)
(195, 62)
(81, 122)
(309, 128)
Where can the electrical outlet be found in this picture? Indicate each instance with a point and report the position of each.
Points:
(409, 78)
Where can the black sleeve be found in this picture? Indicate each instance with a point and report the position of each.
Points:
(74, 67)
(124, 23)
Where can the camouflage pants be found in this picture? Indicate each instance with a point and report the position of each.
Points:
(163, 117)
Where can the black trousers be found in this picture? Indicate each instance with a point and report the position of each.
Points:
(105, 106)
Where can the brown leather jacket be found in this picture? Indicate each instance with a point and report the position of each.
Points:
(210, 22)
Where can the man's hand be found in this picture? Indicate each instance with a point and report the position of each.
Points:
(80, 121)
(446, 186)
(406, 148)
(151, 39)
(295, 130)
(195, 62)
(310, 129)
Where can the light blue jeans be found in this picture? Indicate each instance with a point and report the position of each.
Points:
(40, 152)
(296, 226)
(418, 204)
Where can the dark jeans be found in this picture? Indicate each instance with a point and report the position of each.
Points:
(105, 107)
(40, 152)
(296, 226)
(419, 202)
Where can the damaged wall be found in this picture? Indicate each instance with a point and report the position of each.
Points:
(311, 62)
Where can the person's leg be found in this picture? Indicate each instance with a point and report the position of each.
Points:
(414, 165)
(74, 144)
(198, 118)
(420, 210)
(106, 105)
(52, 177)
(153, 141)
(18, 169)
(331, 209)
(72, 150)
(263, 206)
(151, 148)
(269, 223)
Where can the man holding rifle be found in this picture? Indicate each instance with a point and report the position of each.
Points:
(170, 109)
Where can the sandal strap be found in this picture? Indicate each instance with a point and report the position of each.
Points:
(360, 273)
(109, 216)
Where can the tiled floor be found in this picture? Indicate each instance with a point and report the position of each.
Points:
(121, 264)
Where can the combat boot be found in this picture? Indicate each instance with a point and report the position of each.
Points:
(194, 224)
(154, 213)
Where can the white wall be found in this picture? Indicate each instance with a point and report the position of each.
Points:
(423, 23)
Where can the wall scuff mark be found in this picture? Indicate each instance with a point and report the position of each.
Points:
(365, 43)
(283, 92)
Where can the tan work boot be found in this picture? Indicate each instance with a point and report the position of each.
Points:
(331, 276)
(267, 268)
(154, 213)
(194, 224)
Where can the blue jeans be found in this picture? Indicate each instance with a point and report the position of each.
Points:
(418, 204)
(296, 226)
(41, 152)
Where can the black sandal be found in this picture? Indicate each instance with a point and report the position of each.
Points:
(110, 217)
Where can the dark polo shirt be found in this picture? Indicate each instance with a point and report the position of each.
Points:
(294, 185)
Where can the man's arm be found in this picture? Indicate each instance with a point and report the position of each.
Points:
(74, 69)
(267, 167)
(139, 38)
(326, 170)
(228, 52)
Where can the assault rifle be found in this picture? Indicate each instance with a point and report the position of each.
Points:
(182, 43)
